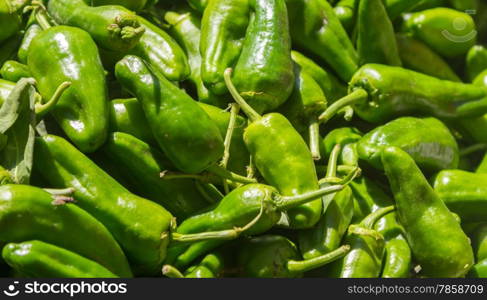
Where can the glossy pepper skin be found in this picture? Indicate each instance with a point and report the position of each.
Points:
(394, 91)
(30, 33)
(437, 28)
(238, 208)
(427, 140)
(134, 5)
(144, 164)
(126, 115)
(476, 61)
(376, 45)
(367, 248)
(264, 73)
(368, 198)
(5, 88)
(31, 211)
(14, 71)
(185, 27)
(136, 223)
(315, 28)
(40, 260)
(223, 28)
(330, 85)
(184, 131)
(211, 266)
(417, 56)
(396, 7)
(345, 10)
(347, 138)
(464, 193)
(437, 241)
(479, 270)
(112, 27)
(61, 54)
(10, 18)
(274, 256)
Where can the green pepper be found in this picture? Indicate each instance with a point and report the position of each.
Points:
(464, 193)
(326, 235)
(13, 71)
(437, 241)
(481, 79)
(11, 17)
(30, 33)
(112, 27)
(315, 28)
(396, 7)
(211, 266)
(6, 88)
(144, 163)
(223, 29)
(143, 228)
(476, 61)
(264, 73)
(185, 28)
(381, 93)
(274, 256)
(5, 177)
(135, 5)
(304, 106)
(40, 259)
(187, 135)
(479, 270)
(376, 42)
(199, 5)
(345, 12)
(346, 137)
(427, 140)
(479, 241)
(126, 115)
(447, 31)
(37, 214)
(60, 54)
(294, 174)
(333, 88)
(416, 56)
(259, 205)
(367, 248)
(464, 5)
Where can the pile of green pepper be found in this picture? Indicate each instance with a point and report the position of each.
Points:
(243, 138)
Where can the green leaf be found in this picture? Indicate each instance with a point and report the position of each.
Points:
(17, 122)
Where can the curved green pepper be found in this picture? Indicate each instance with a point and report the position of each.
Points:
(13, 71)
(427, 140)
(416, 56)
(209, 267)
(315, 27)
(464, 193)
(135, 5)
(37, 214)
(274, 256)
(187, 135)
(367, 249)
(392, 91)
(112, 27)
(239, 208)
(223, 29)
(144, 164)
(448, 32)
(294, 175)
(126, 115)
(60, 54)
(476, 61)
(40, 259)
(264, 73)
(479, 270)
(30, 33)
(376, 42)
(10, 17)
(437, 241)
(347, 138)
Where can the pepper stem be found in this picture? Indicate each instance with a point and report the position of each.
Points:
(234, 108)
(354, 97)
(171, 272)
(58, 192)
(223, 173)
(472, 149)
(350, 176)
(41, 15)
(314, 139)
(371, 219)
(331, 170)
(359, 230)
(42, 109)
(302, 266)
(229, 234)
(247, 109)
(287, 202)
